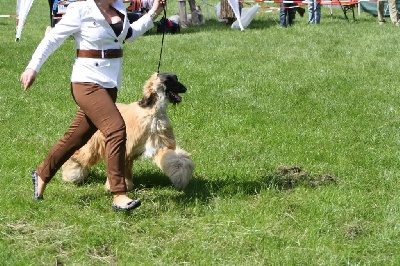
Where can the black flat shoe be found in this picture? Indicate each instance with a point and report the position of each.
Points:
(130, 206)
(35, 186)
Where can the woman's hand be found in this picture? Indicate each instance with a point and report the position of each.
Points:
(158, 6)
(27, 78)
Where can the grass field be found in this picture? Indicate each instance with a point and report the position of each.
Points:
(294, 132)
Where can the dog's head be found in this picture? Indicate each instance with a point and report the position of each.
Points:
(162, 86)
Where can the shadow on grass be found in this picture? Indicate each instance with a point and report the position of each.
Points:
(285, 178)
(202, 190)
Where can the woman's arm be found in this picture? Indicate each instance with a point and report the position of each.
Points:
(69, 24)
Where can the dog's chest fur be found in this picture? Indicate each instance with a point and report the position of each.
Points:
(147, 129)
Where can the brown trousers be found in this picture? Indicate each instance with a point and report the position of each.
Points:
(97, 110)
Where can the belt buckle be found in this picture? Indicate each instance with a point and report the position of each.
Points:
(103, 54)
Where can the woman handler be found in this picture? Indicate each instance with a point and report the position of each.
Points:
(99, 27)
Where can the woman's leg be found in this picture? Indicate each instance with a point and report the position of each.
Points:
(97, 111)
(393, 12)
(79, 132)
(282, 15)
(317, 12)
(380, 10)
(291, 13)
(311, 12)
(98, 104)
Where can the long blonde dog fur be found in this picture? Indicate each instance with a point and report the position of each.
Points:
(149, 134)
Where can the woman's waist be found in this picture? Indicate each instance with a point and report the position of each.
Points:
(103, 54)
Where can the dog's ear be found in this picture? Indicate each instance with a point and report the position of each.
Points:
(149, 95)
(146, 102)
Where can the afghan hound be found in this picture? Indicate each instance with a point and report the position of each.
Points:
(149, 134)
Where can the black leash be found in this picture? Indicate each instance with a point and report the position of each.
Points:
(163, 19)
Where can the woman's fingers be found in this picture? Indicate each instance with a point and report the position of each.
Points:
(27, 78)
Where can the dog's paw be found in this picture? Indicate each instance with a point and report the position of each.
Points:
(74, 172)
(177, 165)
(107, 186)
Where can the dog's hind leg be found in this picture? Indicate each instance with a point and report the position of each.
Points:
(76, 168)
(177, 165)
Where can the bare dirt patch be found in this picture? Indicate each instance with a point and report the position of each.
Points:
(288, 177)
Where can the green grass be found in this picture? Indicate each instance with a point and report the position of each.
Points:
(320, 97)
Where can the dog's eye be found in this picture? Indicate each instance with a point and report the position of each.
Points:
(172, 79)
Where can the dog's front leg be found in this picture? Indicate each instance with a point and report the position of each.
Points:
(128, 173)
(176, 164)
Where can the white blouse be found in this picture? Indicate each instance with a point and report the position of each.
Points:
(84, 21)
